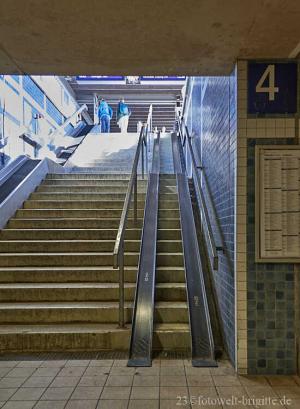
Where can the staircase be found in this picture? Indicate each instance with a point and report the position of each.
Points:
(58, 289)
(171, 322)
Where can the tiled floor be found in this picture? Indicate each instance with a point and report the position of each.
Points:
(110, 384)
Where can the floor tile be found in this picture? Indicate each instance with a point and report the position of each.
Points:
(65, 381)
(20, 372)
(200, 380)
(11, 382)
(119, 370)
(253, 380)
(171, 362)
(204, 391)
(57, 394)
(172, 380)
(278, 380)
(144, 392)
(171, 392)
(19, 405)
(229, 391)
(101, 362)
(294, 404)
(4, 371)
(87, 392)
(175, 370)
(72, 371)
(260, 392)
(120, 362)
(113, 404)
(54, 364)
(8, 364)
(38, 382)
(172, 404)
(222, 370)
(6, 393)
(78, 362)
(50, 404)
(1, 404)
(119, 380)
(97, 371)
(292, 392)
(46, 372)
(145, 380)
(226, 380)
(144, 404)
(29, 364)
(190, 370)
(93, 380)
(151, 371)
(82, 404)
(24, 394)
(112, 392)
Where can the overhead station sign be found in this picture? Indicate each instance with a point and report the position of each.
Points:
(129, 78)
(100, 78)
(272, 88)
(162, 78)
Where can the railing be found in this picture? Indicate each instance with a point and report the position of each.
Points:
(214, 243)
(131, 190)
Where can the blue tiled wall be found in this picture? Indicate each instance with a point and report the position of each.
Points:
(54, 112)
(270, 295)
(216, 145)
(33, 90)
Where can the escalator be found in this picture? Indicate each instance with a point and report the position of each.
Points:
(171, 310)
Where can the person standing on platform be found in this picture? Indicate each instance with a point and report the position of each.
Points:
(105, 114)
(123, 114)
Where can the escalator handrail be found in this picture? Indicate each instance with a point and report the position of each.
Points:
(215, 245)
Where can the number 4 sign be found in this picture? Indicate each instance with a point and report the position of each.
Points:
(272, 88)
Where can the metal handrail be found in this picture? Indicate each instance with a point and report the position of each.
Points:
(118, 253)
(185, 137)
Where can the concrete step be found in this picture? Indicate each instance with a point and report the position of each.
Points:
(79, 204)
(87, 189)
(87, 337)
(81, 246)
(81, 175)
(86, 213)
(82, 234)
(92, 223)
(83, 274)
(86, 312)
(171, 337)
(64, 337)
(91, 204)
(61, 292)
(81, 259)
(93, 196)
(100, 182)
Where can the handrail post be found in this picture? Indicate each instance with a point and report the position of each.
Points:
(121, 287)
(135, 199)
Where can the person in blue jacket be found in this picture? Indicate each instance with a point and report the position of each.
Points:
(105, 114)
(123, 114)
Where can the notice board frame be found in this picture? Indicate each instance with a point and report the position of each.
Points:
(259, 205)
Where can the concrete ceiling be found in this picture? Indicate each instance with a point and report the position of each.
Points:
(183, 37)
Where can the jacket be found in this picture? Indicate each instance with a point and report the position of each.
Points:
(122, 110)
(104, 109)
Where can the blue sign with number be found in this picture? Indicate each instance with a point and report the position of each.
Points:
(272, 88)
(100, 78)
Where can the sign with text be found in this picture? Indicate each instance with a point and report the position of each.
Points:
(162, 78)
(272, 88)
(100, 78)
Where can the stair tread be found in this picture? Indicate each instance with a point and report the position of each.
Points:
(83, 304)
(61, 328)
(81, 285)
